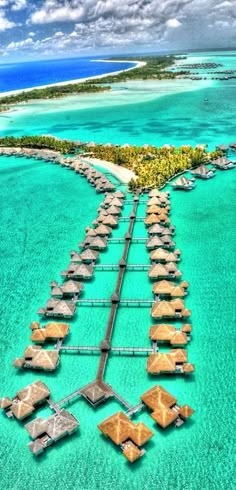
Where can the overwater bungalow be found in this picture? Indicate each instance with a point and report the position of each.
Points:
(164, 333)
(75, 257)
(111, 221)
(157, 242)
(223, 163)
(162, 202)
(53, 331)
(57, 308)
(67, 289)
(170, 309)
(34, 357)
(118, 203)
(124, 433)
(25, 400)
(89, 256)
(154, 209)
(172, 362)
(163, 256)
(78, 271)
(103, 230)
(119, 194)
(184, 184)
(165, 410)
(113, 210)
(223, 148)
(159, 194)
(160, 230)
(203, 172)
(46, 432)
(167, 271)
(168, 289)
(152, 219)
(98, 243)
(90, 232)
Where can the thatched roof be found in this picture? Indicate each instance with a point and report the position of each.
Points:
(201, 170)
(22, 409)
(103, 230)
(186, 328)
(186, 411)
(56, 426)
(117, 427)
(171, 309)
(164, 416)
(179, 355)
(89, 255)
(160, 363)
(41, 359)
(141, 434)
(5, 402)
(51, 331)
(57, 307)
(154, 242)
(110, 221)
(156, 230)
(188, 368)
(118, 194)
(163, 287)
(75, 257)
(161, 332)
(72, 287)
(159, 194)
(98, 243)
(152, 219)
(34, 325)
(158, 396)
(131, 452)
(113, 210)
(161, 270)
(182, 182)
(116, 202)
(34, 393)
(154, 209)
(81, 271)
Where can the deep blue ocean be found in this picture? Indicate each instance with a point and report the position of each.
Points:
(17, 76)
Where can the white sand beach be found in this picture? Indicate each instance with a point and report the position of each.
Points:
(137, 64)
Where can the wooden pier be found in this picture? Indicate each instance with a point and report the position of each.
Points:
(122, 302)
(129, 267)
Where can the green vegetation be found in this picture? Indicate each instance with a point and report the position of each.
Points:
(49, 142)
(153, 70)
(153, 166)
(53, 92)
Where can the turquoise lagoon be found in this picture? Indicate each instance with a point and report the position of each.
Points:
(44, 211)
(173, 112)
(43, 214)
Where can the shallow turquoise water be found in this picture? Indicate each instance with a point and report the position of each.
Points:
(44, 212)
(173, 112)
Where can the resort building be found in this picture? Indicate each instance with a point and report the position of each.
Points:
(78, 271)
(154, 218)
(57, 308)
(184, 184)
(164, 333)
(167, 271)
(157, 242)
(170, 309)
(51, 332)
(124, 433)
(34, 357)
(164, 256)
(161, 230)
(45, 432)
(203, 172)
(67, 289)
(25, 400)
(173, 362)
(165, 410)
(223, 163)
(168, 289)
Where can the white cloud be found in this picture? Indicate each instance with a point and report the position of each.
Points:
(5, 23)
(173, 23)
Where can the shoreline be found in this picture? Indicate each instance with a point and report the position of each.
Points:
(137, 64)
(124, 175)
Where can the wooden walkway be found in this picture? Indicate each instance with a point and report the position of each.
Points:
(122, 302)
(116, 350)
(129, 267)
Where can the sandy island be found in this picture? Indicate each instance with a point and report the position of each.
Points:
(138, 64)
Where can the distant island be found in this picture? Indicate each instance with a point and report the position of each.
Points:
(154, 69)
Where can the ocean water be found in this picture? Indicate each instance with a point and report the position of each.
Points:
(31, 74)
(175, 112)
(44, 211)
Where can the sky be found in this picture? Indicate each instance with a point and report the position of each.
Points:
(38, 29)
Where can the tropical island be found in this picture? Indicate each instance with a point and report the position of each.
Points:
(153, 166)
(152, 68)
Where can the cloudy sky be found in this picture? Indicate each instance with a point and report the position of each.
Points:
(35, 29)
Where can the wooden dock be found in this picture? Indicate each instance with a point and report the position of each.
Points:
(107, 302)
